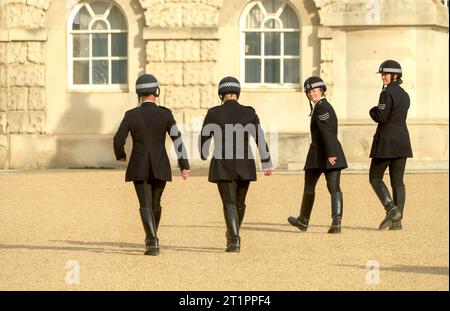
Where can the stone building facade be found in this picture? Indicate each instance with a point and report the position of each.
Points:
(48, 118)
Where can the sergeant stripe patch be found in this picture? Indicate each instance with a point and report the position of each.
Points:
(381, 106)
(323, 117)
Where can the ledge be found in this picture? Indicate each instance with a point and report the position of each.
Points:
(7, 35)
(180, 33)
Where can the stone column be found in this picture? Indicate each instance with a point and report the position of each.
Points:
(22, 75)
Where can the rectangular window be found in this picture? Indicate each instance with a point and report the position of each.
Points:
(119, 43)
(119, 72)
(253, 70)
(100, 72)
(272, 44)
(252, 43)
(272, 71)
(81, 72)
(292, 71)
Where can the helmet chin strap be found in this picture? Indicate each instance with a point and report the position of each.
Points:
(310, 105)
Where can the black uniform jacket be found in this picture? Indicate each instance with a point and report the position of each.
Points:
(148, 125)
(324, 129)
(391, 140)
(233, 158)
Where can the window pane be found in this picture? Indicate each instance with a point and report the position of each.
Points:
(119, 72)
(289, 18)
(272, 24)
(81, 45)
(253, 43)
(81, 72)
(82, 20)
(116, 19)
(100, 72)
(272, 43)
(272, 6)
(254, 18)
(99, 7)
(253, 70)
(99, 44)
(119, 44)
(291, 71)
(272, 71)
(99, 25)
(292, 43)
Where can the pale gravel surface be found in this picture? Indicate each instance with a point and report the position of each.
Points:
(91, 216)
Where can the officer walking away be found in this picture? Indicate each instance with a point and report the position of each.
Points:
(149, 166)
(391, 144)
(232, 166)
(325, 155)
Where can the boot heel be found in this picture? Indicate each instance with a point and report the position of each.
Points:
(296, 222)
(152, 248)
(234, 246)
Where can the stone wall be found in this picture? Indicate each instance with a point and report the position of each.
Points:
(181, 46)
(22, 71)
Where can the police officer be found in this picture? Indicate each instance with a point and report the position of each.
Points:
(149, 166)
(232, 165)
(325, 155)
(391, 144)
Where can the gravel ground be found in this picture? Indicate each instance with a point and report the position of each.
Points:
(54, 222)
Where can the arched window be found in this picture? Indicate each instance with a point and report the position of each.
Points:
(270, 44)
(98, 47)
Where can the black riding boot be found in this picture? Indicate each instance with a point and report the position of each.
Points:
(337, 208)
(392, 212)
(399, 199)
(157, 214)
(232, 222)
(241, 213)
(151, 240)
(302, 221)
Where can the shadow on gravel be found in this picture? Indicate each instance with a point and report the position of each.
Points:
(409, 269)
(107, 247)
(243, 228)
(312, 226)
(70, 249)
(141, 246)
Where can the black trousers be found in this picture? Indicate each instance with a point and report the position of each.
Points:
(234, 192)
(333, 178)
(396, 170)
(149, 193)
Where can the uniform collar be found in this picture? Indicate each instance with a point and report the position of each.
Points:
(320, 99)
(231, 101)
(148, 103)
(393, 83)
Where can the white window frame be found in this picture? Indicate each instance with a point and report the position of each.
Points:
(243, 30)
(109, 58)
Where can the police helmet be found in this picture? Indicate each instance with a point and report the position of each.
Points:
(229, 85)
(314, 82)
(147, 85)
(391, 66)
